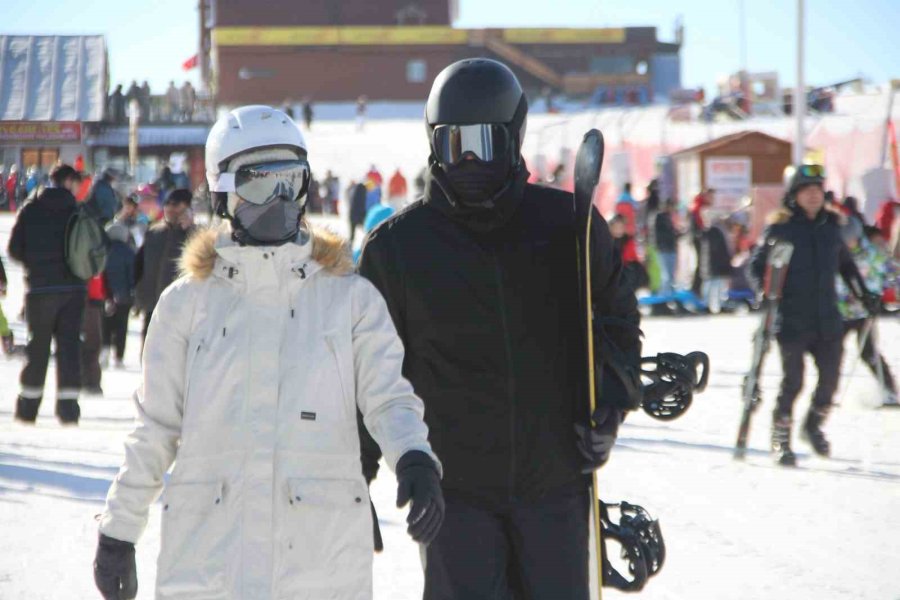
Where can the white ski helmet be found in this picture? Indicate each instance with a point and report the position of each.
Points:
(249, 129)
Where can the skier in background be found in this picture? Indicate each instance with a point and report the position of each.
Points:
(255, 365)
(481, 280)
(880, 273)
(55, 299)
(397, 190)
(808, 320)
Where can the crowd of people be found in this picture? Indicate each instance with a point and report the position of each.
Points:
(367, 203)
(653, 237)
(177, 104)
(87, 319)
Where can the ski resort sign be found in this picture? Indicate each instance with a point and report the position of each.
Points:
(60, 132)
(731, 177)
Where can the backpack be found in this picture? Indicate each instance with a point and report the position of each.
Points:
(87, 245)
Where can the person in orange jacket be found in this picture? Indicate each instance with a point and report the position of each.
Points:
(397, 190)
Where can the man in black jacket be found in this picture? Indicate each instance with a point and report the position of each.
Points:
(54, 302)
(808, 319)
(156, 263)
(480, 277)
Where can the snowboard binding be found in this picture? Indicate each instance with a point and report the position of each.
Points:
(674, 378)
(643, 547)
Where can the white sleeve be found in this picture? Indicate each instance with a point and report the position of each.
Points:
(150, 448)
(392, 412)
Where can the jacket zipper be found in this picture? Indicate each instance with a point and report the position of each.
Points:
(510, 381)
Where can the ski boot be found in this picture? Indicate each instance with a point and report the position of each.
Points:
(781, 441)
(68, 412)
(27, 410)
(889, 399)
(812, 431)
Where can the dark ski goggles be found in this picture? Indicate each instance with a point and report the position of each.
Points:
(485, 142)
(262, 183)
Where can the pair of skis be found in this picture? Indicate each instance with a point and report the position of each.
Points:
(777, 263)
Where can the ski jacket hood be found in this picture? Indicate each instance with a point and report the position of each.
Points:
(201, 251)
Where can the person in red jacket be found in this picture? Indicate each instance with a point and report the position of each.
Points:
(92, 336)
(701, 202)
(12, 184)
(397, 190)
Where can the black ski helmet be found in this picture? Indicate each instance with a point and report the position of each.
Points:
(475, 91)
(799, 176)
(803, 175)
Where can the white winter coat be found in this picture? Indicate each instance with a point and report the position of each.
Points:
(254, 365)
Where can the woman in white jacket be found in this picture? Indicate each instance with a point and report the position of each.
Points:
(256, 361)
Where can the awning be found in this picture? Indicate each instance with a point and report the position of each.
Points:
(52, 78)
(176, 136)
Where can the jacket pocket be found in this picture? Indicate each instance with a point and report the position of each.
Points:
(332, 342)
(194, 351)
(192, 552)
(326, 539)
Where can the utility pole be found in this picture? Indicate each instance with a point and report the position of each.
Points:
(799, 92)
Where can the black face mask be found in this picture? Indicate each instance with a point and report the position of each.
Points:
(477, 182)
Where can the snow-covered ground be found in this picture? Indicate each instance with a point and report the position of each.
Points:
(827, 529)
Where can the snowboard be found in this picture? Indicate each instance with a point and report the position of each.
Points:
(588, 162)
(777, 263)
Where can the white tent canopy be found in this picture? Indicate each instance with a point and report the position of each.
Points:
(52, 78)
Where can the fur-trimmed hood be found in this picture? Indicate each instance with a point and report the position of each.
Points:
(199, 256)
(785, 214)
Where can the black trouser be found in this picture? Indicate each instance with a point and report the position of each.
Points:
(827, 355)
(525, 550)
(53, 316)
(353, 226)
(91, 344)
(870, 354)
(115, 329)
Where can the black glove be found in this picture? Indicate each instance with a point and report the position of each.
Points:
(872, 303)
(114, 570)
(596, 443)
(418, 480)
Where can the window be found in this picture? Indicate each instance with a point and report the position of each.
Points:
(416, 71)
(612, 65)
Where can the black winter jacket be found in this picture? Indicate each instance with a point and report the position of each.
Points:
(809, 300)
(156, 263)
(491, 326)
(719, 255)
(666, 236)
(120, 272)
(38, 241)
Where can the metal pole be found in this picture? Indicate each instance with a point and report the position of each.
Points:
(799, 92)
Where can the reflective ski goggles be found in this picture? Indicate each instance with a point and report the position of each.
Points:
(812, 171)
(484, 142)
(264, 182)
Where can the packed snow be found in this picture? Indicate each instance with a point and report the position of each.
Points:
(826, 529)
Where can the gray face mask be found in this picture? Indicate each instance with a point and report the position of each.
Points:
(269, 224)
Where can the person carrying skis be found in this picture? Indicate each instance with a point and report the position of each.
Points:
(480, 277)
(880, 273)
(808, 319)
(255, 365)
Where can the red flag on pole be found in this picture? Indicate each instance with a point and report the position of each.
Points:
(190, 63)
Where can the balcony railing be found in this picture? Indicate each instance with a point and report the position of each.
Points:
(160, 110)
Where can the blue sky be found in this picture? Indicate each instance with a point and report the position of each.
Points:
(149, 39)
